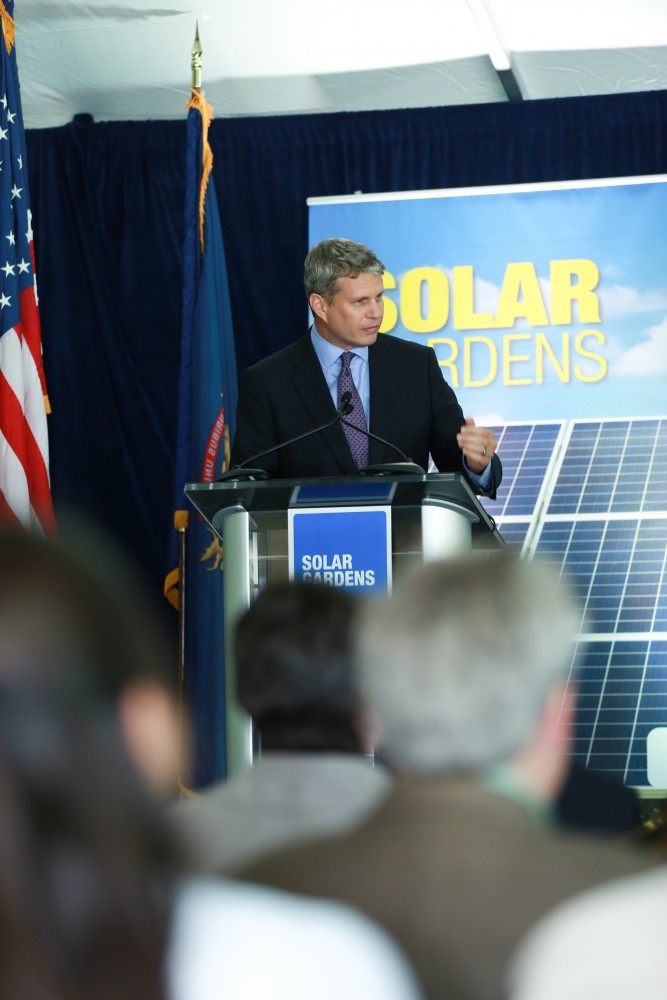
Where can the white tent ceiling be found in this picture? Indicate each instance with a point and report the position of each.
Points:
(127, 60)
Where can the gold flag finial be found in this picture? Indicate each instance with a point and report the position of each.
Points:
(8, 27)
(196, 60)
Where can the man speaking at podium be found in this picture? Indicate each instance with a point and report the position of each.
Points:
(343, 398)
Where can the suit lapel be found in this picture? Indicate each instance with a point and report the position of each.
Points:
(311, 387)
(385, 385)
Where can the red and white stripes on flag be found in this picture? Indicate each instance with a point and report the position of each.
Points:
(25, 492)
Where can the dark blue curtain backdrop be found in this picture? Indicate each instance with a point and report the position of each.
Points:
(107, 205)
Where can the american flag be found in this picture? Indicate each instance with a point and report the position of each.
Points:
(25, 491)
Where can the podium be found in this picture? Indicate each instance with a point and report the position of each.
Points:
(427, 516)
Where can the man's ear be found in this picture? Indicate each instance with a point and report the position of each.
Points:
(149, 721)
(544, 760)
(560, 715)
(318, 305)
(555, 735)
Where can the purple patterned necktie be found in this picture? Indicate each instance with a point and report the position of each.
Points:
(357, 441)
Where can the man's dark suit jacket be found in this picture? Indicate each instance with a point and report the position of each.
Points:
(412, 406)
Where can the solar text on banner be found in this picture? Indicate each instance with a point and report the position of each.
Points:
(25, 490)
(206, 411)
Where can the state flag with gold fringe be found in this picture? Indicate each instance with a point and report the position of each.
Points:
(206, 415)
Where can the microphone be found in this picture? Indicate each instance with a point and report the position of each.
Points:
(345, 406)
(406, 466)
(245, 470)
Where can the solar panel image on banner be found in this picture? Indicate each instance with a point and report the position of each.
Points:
(613, 466)
(622, 697)
(602, 519)
(527, 451)
(514, 533)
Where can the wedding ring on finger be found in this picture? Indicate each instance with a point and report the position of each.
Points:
(484, 451)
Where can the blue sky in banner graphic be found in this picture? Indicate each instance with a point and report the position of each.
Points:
(542, 302)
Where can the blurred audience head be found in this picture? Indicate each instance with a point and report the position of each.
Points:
(295, 667)
(87, 865)
(462, 664)
(74, 613)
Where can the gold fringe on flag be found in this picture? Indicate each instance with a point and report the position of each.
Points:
(206, 111)
(8, 27)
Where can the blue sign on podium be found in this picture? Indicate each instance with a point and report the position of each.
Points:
(346, 547)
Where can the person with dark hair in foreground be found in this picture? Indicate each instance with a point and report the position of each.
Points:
(295, 678)
(87, 866)
(96, 900)
(464, 671)
(396, 390)
(75, 607)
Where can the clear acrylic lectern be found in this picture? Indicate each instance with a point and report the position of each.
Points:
(431, 516)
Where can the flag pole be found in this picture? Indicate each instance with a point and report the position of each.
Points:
(181, 522)
(207, 396)
(181, 526)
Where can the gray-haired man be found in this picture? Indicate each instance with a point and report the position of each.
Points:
(464, 670)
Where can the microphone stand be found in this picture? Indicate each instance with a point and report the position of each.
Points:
(406, 467)
(245, 471)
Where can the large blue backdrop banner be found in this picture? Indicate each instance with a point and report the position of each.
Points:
(546, 305)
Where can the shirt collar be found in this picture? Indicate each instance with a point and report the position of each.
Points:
(328, 354)
(504, 780)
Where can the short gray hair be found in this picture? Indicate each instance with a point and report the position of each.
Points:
(337, 258)
(457, 665)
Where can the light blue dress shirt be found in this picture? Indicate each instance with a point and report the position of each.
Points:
(329, 357)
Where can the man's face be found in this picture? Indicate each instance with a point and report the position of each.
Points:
(353, 316)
